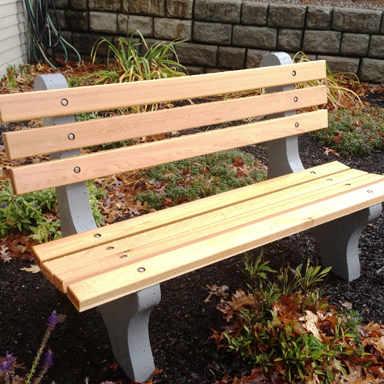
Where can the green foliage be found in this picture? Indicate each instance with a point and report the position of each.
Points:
(135, 61)
(192, 179)
(354, 132)
(36, 212)
(284, 325)
(13, 75)
(338, 86)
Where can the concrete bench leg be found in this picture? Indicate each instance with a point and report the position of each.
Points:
(338, 241)
(127, 323)
(126, 318)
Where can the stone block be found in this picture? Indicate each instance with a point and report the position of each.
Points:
(286, 16)
(231, 57)
(319, 17)
(341, 64)
(107, 6)
(354, 44)
(80, 5)
(145, 7)
(172, 29)
(179, 9)
(84, 42)
(67, 36)
(322, 41)
(254, 13)
(372, 70)
(254, 37)
(212, 33)
(356, 20)
(144, 24)
(376, 47)
(223, 11)
(77, 20)
(61, 4)
(214, 70)
(60, 16)
(197, 54)
(254, 57)
(194, 70)
(289, 40)
(103, 22)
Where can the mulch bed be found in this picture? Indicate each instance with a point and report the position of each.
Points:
(180, 326)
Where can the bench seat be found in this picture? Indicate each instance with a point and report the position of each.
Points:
(104, 264)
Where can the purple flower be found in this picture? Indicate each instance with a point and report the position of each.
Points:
(48, 357)
(7, 363)
(52, 320)
(3, 205)
(34, 205)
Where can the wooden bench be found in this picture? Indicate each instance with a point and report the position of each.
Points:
(118, 267)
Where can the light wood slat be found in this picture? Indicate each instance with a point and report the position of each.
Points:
(85, 240)
(117, 283)
(61, 172)
(144, 246)
(103, 97)
(55, 138)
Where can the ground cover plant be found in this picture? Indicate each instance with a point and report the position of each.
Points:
(285, 329)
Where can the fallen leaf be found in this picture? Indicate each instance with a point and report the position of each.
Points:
(32, 269)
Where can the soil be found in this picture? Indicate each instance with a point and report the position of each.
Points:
(180, 327)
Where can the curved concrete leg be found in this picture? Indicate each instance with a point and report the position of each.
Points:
(338, 241)
(127, 323)
(283, 154)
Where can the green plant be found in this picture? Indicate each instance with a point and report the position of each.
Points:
(283, 325)
(36, 212)
(127, 63)
(339, 93)
(198, 177)
(353, 132)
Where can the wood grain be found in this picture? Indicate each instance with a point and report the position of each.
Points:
(51, 139)
(113, 284)
(41, 104)
(101, 236)
(96, 260)
(62, 172)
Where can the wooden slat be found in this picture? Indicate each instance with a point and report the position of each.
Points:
(93, 132)
(61, 172)
(97, 237)
(39, 104)
(103, 288)
(81, 265)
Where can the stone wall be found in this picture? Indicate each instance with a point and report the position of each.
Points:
(231, 34)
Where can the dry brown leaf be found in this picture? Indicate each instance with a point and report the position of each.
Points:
(32, 269)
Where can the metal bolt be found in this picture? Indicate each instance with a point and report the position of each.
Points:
(295, 99)
(123, 256)
(71, 136)
(297, 124)
(76, 169)
(313, 172)
(64, 102)
(293, 73)
(141, 269)
(369, 191)
(110, 248)
(97, 236)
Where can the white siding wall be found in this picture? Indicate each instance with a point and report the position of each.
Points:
(13, 48)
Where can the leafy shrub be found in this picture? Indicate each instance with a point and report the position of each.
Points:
(354, 132)
(192, 179)
(36, 212)
(135, 61)
(284, 326)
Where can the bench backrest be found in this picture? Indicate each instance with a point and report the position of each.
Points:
(67, 137)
